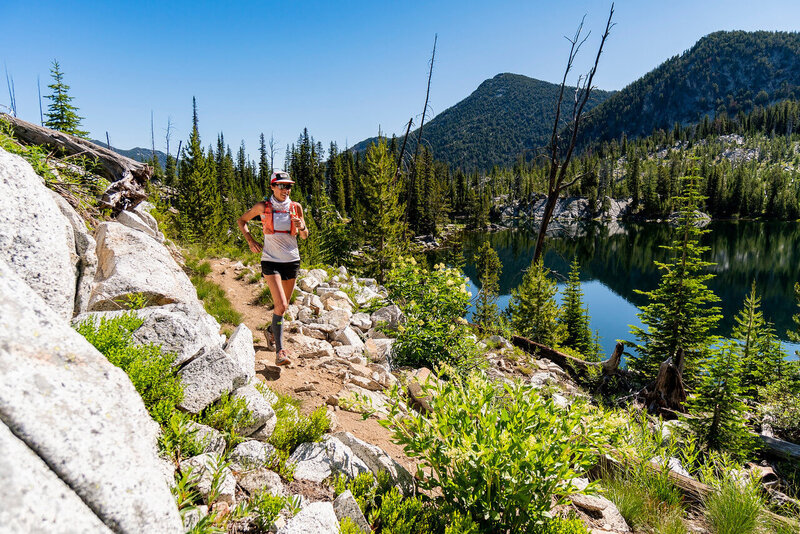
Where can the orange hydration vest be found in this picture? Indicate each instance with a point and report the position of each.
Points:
(266, 218)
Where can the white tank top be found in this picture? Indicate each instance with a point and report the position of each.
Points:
(280, 247)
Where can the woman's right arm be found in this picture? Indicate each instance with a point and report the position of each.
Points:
(255, 211)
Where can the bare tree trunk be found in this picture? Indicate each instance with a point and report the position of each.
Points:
(559, 165)
(667, 394)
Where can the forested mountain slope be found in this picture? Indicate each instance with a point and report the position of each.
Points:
(504, 117)
(724, 72)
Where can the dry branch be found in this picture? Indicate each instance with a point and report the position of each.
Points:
(575, 366)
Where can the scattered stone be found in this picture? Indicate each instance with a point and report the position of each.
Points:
(269, 372)
(337, 319)
(378, 350)
(318, 461)
(212, 439)
(361, 321)
(366, 383)
(207, 377)
(377, 460)
(193, 516)
(305, 315)
(416, 380)
(319, 274)
(308, 283)
(262, 479)
(240, 348)
(345, 351)
(264, 418)
(345, 505)
(316, 518)
(304, 388)
(389, 316)
(136, 222)
(348, 336)
(611, 518)
(251, 454)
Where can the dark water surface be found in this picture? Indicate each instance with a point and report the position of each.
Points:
(617, 258)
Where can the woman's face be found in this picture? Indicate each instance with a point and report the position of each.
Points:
(279, 193)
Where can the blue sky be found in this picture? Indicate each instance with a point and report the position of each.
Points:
(342, 69)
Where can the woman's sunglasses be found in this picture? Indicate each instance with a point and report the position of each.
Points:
(285, 187)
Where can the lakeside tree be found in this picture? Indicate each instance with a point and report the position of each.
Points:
(489, 268)
(758, 347)
(61, 114)
(795, 335)
(574, 316)
(679, 313)
(382, 212)
(717, 407)
(533, 308)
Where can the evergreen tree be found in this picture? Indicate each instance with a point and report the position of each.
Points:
(61, 115)
(170, 171)
(264, 170)
(574, 316)
(678, 313)
(383, 229)
(716, 405)
(489, 268)
(198, 197)
(533, 308)
(336, 243)
(795, 335)
(758, 346)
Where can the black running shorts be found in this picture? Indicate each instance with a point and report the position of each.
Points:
(288, 271)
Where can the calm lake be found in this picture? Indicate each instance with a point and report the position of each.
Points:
(617, 258)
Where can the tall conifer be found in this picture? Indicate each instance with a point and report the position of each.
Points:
(61, 114)
(679, 312)
(489, 269)
(533, 308)
(574, 315)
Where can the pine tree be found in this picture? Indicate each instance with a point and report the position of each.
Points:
(489, 268)
(61, 115)
(383, 229)
(574, 316)
(716, 405)
(533, 308)
(758, 346)
(795, 335)
(679, 312)
(198, 197)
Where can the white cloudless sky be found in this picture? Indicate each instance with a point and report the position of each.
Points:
(341, 69)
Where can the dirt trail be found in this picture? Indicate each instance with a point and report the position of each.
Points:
(243, 298)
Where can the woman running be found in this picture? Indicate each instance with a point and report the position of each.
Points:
(282, 221)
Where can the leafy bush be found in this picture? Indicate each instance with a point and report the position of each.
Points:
(348, 526)
(292, 428)
(568, 525)
(265, 508)
(227, 415)
(405, 516)
(366, 488)
(177, 440)
(501, 453)
(434, 302)
(149, 369)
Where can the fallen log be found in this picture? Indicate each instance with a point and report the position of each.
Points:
(128, 176)
(781, 449)
(575, 366)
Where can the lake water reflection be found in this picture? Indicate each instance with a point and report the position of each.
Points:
(617, 258)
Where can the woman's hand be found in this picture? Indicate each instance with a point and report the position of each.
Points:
(255, 247)
(299, 223)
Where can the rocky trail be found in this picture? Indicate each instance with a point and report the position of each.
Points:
(308, 383)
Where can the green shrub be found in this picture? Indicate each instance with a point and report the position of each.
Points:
(292, 428)
(564, 525)
(149, 369)
(227, 415)
(265, 508)
(434, 302)
(366, 489)
(348, 526)
(501, 452)
(177, 440)
(735, 507)
(405, 516)
(197, 267)
(647, 499)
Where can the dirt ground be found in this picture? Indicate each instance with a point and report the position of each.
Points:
(298, 376)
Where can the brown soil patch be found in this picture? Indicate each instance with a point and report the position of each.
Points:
(242, 296)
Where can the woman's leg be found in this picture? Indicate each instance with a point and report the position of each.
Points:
(279, 308)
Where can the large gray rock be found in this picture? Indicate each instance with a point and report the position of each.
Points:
(86, 257)
(318, 461)
(80, 414)
(388, 316)
(611, 519)
(34, 498)
(207, 377)
(261, 479)
(316, 518)
(240, 348)
(36, 240)
(348, 336)
(252, 453)
(345, 505)
(135, 221)
(377, 460)
(264, 417)
(338, 319)
(211, 439)
(378, 350)
(179, 328)
(130, 262)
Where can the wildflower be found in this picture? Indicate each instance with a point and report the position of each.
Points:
(413, 261)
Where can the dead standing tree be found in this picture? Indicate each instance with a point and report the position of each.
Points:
(560, 157)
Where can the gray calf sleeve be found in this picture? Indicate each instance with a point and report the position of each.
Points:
(277, 331)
